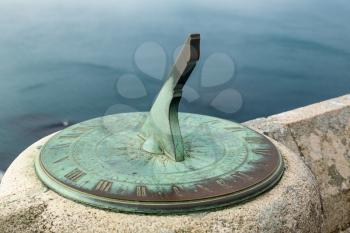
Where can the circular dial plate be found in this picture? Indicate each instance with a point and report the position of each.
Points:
(100, 162)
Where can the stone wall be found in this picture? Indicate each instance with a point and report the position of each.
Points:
(320, 134)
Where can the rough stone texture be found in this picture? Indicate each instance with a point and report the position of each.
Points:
(345, 231)
(28, 206)
(320, 134)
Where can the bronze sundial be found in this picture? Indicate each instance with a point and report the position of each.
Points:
(161, 161)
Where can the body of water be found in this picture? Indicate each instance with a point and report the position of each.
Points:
(63, 62)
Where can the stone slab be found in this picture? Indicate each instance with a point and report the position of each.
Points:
(320, 135)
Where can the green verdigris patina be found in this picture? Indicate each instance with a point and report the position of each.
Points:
(141, 162)
(161, 130)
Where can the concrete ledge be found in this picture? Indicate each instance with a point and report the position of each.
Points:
(28, 206)
(320, 134)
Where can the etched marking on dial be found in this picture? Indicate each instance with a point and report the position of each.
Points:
(255, 140)
(59, 160)
(244, 175)
(204, 188)
(222, 183)
(75, 174)
(60, 146)
(211, 122)
(70, 136)
(83, 128)
(262, 151)
(234, 129)
(177, 190)
(122, 148)
(141, 191)
(103, 186)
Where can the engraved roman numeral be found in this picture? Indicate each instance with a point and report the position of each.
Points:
(264, 152)
(60, 146)
(204, 188)
(59, 160)
(75, 174)
(103, 186)
(222, 183)
(244, 175)
(234, 177)
(255, 140)
(141, 191)
(177, 190)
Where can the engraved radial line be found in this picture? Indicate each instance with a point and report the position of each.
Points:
(264, 152)
(70, 136)
(256, 140)
(57, 161)
(82, 129)
(235, 129)
(59, 146)
(244, 175)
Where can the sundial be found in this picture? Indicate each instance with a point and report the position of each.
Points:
(161, 161)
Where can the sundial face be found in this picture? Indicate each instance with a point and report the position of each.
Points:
(160, 161)
(101, 162)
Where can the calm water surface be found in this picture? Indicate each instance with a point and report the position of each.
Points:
(60, 61)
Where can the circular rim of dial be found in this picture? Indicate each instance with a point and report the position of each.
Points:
(100, 162)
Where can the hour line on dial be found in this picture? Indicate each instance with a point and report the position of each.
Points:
(234, 128)
(244, 175)
(70, 136)
(59, 160)
(60, 146)
(75, 174)
(255, 140)
(262, 151)
(83, 128)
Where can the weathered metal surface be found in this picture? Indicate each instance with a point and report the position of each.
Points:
(142, 163)
(161, 129)
(225, 162)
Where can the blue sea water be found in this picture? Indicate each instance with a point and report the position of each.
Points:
(61, 61)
